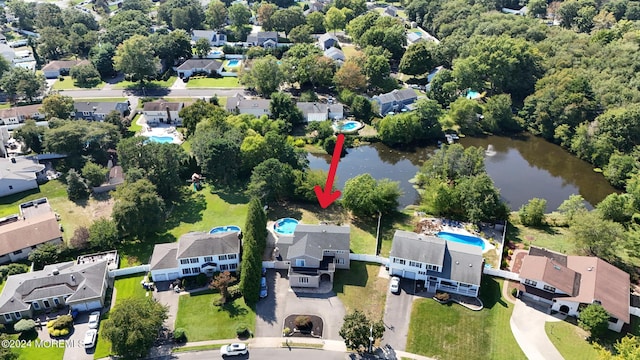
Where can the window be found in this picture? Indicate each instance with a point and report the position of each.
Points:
(465, 285)
(56, 301)
(341, 251)
(36, 305)
(194, 260)
(17, 252)
(7, 317)
(339, 261)
(399, 261)
(433, 268)
(300, 262)
(422, 273)
(224, 267)
(222, 257)
(530, 282)
(231, 256)
(233, 266)
(46, 304)
(10, 187)
(17, 315)
(184, 261)
(186, 271)
(415, 264)
(195, 270)
(550, 288)
(208, 258)
(303, 280)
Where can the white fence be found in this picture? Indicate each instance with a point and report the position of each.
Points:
(275, 265)
(634, 311)
(234, 56)
(129, 270)
(369, 258)
(229, 73)
(501, 273)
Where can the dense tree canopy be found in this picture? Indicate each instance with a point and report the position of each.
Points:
(138, 210)
(365, 196)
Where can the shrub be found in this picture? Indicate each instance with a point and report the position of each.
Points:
(242, 331)
(64, 321)
(24, 325)
(50, 323)
(54, 332)
(234, 292)
(286, 331)
(302, 322)
(180, 335)
(514, 292)
(442, 297)
(64, 332)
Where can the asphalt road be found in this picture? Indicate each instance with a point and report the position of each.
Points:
(266, 354)
(78, 94)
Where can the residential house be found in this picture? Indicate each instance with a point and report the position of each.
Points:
(569, 283)
(522, 11)
(58, 68)
(314, 252)
(82, 287)
(18, 174)
(162, 111)
(7, 52)
(199, 66)
(215, 38)
(195, 253)
(19, 235)
(97, 111)
(335, 54)
(238, 104)
(396, 100)
(266, 39)
(315, 111)
(327, 40)
(19, 114)
(390, 11)
(442, 265)
(314, 7)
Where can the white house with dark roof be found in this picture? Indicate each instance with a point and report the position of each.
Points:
(327, 40)
(316, 111)
(18, 174)
(335, 54)
(194, 66)
(60, 67)
(215, 38)
(266, 39)
(98, 110)
(314, 252)
(19, 114)
(81, 287)
(443, 265)
(396, 100)
(195, 253)
(238, 104)
(163, 112)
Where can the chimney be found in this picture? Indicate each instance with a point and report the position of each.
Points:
(73, 279)
(55, 271)
(13, 160)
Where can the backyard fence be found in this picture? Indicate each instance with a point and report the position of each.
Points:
(634, 311)
(129, 270)
(229, 73)
(279, 265)
(234, 56)
(501, 273)
(369, 258)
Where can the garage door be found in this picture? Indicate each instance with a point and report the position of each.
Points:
(173, 275)
(396, 272)
(409, 275)
(159, 277)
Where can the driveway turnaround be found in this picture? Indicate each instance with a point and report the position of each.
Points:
(397, 314)
(527, 325)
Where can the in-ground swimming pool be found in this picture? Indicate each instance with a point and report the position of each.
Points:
(224, 229)
(233, 63)
(347, 126)
(285, 226)
(161, 139)
(473, 94)
(464, 239)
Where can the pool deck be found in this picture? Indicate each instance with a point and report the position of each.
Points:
(163, 130)
(461, 231)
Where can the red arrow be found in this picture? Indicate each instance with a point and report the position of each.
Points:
(325, 196)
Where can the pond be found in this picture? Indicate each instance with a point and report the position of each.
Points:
(522, 168)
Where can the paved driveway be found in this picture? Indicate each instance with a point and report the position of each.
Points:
(397, 314)
(76, 350)
(283, 302)
(168, 297)
(527, 325)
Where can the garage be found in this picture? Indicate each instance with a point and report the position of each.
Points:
(173, 275)
(87, 306)
(164, 275)
(159, 277)
(409, 275)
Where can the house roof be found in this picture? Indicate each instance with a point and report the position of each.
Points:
(22, 169)
(164, 256)
(207, 34)
(240, 102)
(327, 36)
(545, 269)
(196, 244)
(411, 246)
(463, 263)
(396, 95)
(162, 106)
(556, 256)
(209, 64)
(262, 36)
(100, 107)
(63, 64)
(81, 281)
(334, 53)
(312, 240)
(25, 233)
(17, 111)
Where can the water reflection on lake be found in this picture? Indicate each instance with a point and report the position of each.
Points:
(522, 168)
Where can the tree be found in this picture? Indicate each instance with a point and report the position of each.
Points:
(593, 235)
(24, 325)
(256, 224)
(102, 58)
(537, 8)
(76, 186)
(466, 114)
(182, 14)
(135, 56)
(115, 118)
(216, 15)
(498, 116)
(357, 328)
(264, 13)
(316, 21)
(103, 234)
(532, 213)
(616, 207)
(221, 283)
(58, 106)
(52, 43)
(286, 19)
(301, 34)
(253, 243)
(196, 112)
(95, 174)
(271, 180)
(25, 12)
(444, 88)
(23, 83)
(282, 107)
(620, 168)
(4, 65)
(335, 19)
(172, 46)
(203, 47)
(265, 75)
(595, 319)
(626, 348)
(218, 154)
(133, 326)
(306, 181)
(31, 135)
(350, 77)
(573, 205)
(80, 238)
(138, 210)
(239, 15)
(480, 200)
(361, 108)
(418, 59)
(377, 69)
(44, 254)
(365, 196)
(6, 352)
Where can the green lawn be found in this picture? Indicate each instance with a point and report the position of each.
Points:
(202, 320)
(361, 288)
(552, 238)
(454, 332)
(69, 84)
(5, 105)
(225, 82)
(33, 352)
(570, 341)
(134, 128)
(350, 51)
(148, 84)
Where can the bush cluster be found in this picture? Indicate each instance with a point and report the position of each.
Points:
(60, 326)
(180, 335)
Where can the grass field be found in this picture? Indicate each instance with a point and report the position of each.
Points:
(451, 331)
(350, 51)
(5, 105)
(147, 84)
(570, 342)
(202, 320)
(225, 82)
(361, 288)
(134, 128)
(41, 352)
(69, 84)
(552, 238)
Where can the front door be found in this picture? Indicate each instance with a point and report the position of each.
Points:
(46, 303)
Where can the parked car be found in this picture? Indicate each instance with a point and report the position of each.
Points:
(263, 287)
(90, 338)
(394, 286)
(234, 349)
(94, 320)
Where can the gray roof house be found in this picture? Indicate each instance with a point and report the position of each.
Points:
(313, 7)
(18, 114)
(266, 39)
(192, 66)
(215, 38)
(335, 54)
(238, 104)
(315, 111)
(81, 287)
(61, 67)
(390, 11)
(195, 253)
(327, 40)
(19, 174)
(98, 110)
(396, 100)
(314, 252)
(441, 264)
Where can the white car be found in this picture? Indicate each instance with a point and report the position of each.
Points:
(263, 288)
(90, 338)
(394, 287)
(234, 349)
(94, 320)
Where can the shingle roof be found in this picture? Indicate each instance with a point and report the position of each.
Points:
(262, 36)
(396, 95)
(209, 64)
(557, 257)
(311, 240)
(411, 246)
(99, 107)
(196, 244)
(164, 256)
(63, 64)
(463, 262)
(162, 106)
(26, 111)
(334, 53)
(327, 36)
(545, 269)
(207, 34)
(312, 107)
(29, 232)
(240, 102)
(84, 282)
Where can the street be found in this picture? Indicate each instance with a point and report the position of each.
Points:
(266, 354)
(116, 93)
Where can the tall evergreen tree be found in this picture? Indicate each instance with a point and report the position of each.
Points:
(254, 243)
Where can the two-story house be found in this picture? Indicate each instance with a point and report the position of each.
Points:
(215, 38)
(315, 111)
(442, 265)
(162, 111)
(396, 100)
(81, 287)
(569, 283)
(195, 253)
(314, 252)
(238, 104)
(98, 110)
(19, 114)
(266, 39)
(327, 40)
